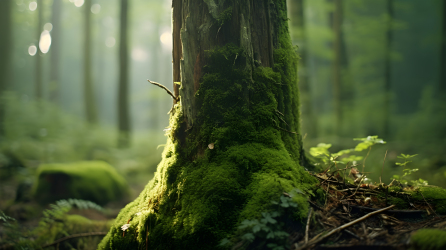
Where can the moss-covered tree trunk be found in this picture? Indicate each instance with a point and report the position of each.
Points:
(233, 143)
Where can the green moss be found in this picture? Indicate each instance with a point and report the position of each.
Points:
(398, 202)
(435, 196)
(429, 239)
(95, 181)
(199, 195)
(224, 16)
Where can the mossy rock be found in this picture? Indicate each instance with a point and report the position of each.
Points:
(94, 181)
(429, 239)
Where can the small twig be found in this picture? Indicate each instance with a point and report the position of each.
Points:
(307, 228)
(352, 234)
(282, 120)
(314, 240)
(287, 130)
(165, 88)
(74, 236)
(326, 196)
(279, 112)
(382, 168)
(363, 163)
(359, 184)
(429, 204)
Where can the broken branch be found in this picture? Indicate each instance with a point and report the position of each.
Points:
(74, 236)
(338, 229)
(165, 88)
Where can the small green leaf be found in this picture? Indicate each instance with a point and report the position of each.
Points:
(270, 235)
(256, 228)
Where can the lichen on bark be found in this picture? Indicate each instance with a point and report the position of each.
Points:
(247, 108)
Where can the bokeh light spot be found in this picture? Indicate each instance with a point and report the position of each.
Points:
(45, 41)
(139, 55)
(96, 8)
(166, 38)
(32, 6)
(32, 50)
(78, 3)
(48, 27)
(110, 42)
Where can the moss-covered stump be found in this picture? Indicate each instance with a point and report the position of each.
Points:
(94, 181)
(233, 145)
(194, 204)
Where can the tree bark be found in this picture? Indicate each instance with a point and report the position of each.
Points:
(388, 68)
(38, 69)
(5, 56)
(233, 143)
(442, 84)
(89, 97)
(54, 87)
(123, 93)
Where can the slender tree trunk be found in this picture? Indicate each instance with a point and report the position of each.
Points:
(123, 93)
(442, 84)
(89, 97)
(177, 49)
(387, 68)
(55, 51)
(5, 56)
(234, 143)
(337, 66)
(38, 69)
(297, 31)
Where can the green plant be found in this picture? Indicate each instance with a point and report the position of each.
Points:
(269, 231)
(321, 150)
(51, 225)
(406, 172)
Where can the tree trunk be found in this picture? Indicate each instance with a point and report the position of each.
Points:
(5, 55)
(233, 144)
(123, 93)
(337, 65)
(54, 88)
(297, 20)
(38, 69)
(442, 85)
(387, 68)
(89, 97)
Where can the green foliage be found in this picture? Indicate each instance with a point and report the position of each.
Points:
(407, 172)
(405, 157)
(269, 231)
(321, 150)
(368, 142)
(55, 223)
(224, 16)
(40, 132)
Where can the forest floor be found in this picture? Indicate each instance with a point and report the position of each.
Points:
(361, 216)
